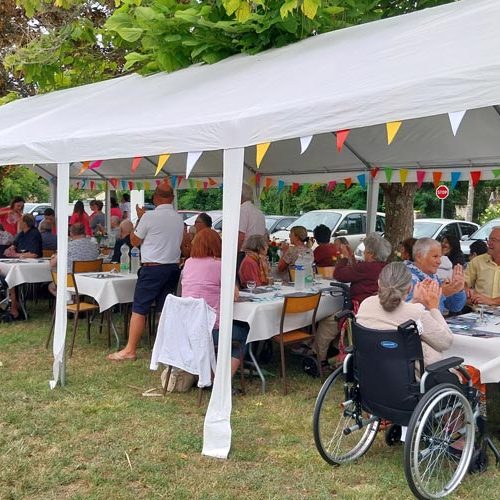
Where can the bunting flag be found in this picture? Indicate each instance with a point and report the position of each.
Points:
(96, 164)
(205, 185)
(198, 184)
(192, 158)
(455, 176)
(251, 181)
(455, 120)
(392, 130)
(191, 183)
(496, 172)
(374, 171)
(173, 180)
(124, 185)
(162, 159)
(269, 182)
(281, 185)
(304, 143)
(403, 175)
(331, 186)
(114, 182)
(295, 187)
(85, 166)
(475, 176)
(261, 152)
(92, 185)
(100, 186)
(388, 173)
(147, 186)
(420, 177)
(84, 183)
(348, 182)
(130, 185)
(341, 136)
(212, 182)
(135, 163)
(158, 182)
(257, 180)
(138, 186)
(179, 180)
(362, 180)
(436, 178)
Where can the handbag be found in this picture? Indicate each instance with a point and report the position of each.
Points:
(180, 380)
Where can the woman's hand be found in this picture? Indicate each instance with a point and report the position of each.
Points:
(427, 293)
(457, 282)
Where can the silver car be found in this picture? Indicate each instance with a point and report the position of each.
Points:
(481, 234)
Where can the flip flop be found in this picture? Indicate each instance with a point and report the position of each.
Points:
(117, 356)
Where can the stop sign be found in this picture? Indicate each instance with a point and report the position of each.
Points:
(442, 192)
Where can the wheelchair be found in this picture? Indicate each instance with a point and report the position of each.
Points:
(446, 434)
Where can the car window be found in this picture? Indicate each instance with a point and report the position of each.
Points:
(449, 229)
(425, 229)
(467, 229)
(312, 219)
(286, 222)
(218, 225)
(353, 224)
(380, 224)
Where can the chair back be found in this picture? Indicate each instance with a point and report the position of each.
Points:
(300, 303)
(110, 266)
(384, 365)
(70, 283)
(291, 273)
(325, 271)
(48, 253)
(87, 266)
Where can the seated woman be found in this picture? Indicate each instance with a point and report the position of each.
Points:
(299, 245)
(450, 246)
(326, 253)
(201, 278)
(255, 266)
(406, 249)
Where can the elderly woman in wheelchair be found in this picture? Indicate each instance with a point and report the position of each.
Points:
(395, 371)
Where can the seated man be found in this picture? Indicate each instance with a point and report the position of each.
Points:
(49, 239)
(126, 228)
(482, 275)
(427, 259)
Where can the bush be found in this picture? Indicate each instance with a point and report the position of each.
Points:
(492, 212)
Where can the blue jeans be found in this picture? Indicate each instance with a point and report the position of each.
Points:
(239, 334)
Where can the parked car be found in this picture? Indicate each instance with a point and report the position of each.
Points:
(481, 234)
(348, 223)
(216, 219)
(36, 210)
(186, 214)
(278, 222)
(433, 228)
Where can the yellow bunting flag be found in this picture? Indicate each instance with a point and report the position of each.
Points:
(199, 184)
(162, 159)
(392, 130)
(85, 166)
(403, 174)
(251, 180)
(147, 186)
(261, 152)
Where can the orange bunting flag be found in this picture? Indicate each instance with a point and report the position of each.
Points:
(269, 182)
(135, 163)
(348, 182)
(162, 159)
(261, 152)
(392, 130)
(212, 182)
(341, 136)
(436, 178)
(295, 187)
(403, 174)
(85, 166)
(475, 177)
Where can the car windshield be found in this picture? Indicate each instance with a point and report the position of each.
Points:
(270, 222)
(483, 232)
(425, 229)
(312, 219)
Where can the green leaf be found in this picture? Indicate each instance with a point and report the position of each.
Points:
(133, 58)
(310, 7)
(231, 6)
(147, 14)
(243, 12)
(288, 7)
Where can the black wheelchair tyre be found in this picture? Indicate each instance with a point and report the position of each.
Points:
(442, 418)
(336, 447)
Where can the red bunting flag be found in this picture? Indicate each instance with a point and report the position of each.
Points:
(179, 180)
(436, 178)
(158, 182)
(475, 177)
(92, 185)
(205, 185)
(257, 180)
(114, 182)
(374, 171)
(295, 187)
(348, 182)
(135, 163)
(211, 182)
(341, 137)
(130, 185)
(331, 186)
(420, 177)
(269, 182)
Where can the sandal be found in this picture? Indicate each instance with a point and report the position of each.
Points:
(118, 356)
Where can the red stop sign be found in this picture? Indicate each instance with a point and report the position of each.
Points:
(442, 192)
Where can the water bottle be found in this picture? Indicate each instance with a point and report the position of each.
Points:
(299, 273)
(308, 260)
(135, 260)
(124, 259)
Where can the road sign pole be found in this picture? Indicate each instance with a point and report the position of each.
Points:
(442, 209)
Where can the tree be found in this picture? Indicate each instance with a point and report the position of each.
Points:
(22, 181)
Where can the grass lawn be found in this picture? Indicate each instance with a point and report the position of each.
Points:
(98, 437)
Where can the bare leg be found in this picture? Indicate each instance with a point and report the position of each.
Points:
(14, 306)
(137, 323)
(235, 364)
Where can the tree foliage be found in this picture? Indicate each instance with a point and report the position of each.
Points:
(22, 181)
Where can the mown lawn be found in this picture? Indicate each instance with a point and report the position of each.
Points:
(98, 437)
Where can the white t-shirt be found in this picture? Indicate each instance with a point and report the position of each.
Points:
(125, 207)
(161, 230)
(252, 220)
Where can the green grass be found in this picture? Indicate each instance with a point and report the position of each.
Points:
(73, 442)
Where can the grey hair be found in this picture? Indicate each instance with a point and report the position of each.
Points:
(379, 247)
(393, 284)
(255, 243)
(423, 246)
(246, 192)
(495, 228)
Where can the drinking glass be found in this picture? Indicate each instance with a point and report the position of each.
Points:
(251, 285)
(277, 283)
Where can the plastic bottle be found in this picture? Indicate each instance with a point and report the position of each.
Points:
(299, 273)
(124, 259)
(308, 260)
(135, 259)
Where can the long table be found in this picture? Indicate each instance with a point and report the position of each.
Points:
(20, 271)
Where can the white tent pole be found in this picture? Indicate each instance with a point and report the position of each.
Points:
(371, 204)
(108, 207)
(217, 429)
(58, 368)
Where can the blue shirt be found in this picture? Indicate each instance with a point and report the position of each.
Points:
(29, 241)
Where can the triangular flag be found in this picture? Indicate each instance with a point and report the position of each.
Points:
(403, 174)
(114, 182)
(158, 182)
(269, 182)
(420, 177)
(130, 185)
(92, 185)
(199, 185)
(191, 184)
(456, 120)
(295, 186)
(257, 180)
(147, 186)
(100, 186)
(124, 185)
(192, 158)
(331, 186)
(436, 178)
(95, 164)
(85, 166)
(261, 152)
(138, 186)
(135, 163)
(173, 180)
(84, 183)
(348, 182)
(362, 180)
(162, 159)
(304, 143)
(455, 176)
(251, 181)
(475, 177)
(392, 130)
(388, 173)
(496, 172)
(281, 185)
(212, 182)
(205, 185)
(179, 180)
(374, 171)
(341, 136)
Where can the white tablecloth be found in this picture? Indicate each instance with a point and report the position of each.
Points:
(264, 317)
(19, 271)
(114, 288)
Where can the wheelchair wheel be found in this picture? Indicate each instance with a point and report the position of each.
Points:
(439, 442)
(337, 415)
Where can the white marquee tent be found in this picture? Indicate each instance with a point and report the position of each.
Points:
(415, 68)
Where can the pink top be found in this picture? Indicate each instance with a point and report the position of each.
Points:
(77, 219)
(201, 279)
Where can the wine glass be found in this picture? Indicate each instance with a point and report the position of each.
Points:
(251, 285)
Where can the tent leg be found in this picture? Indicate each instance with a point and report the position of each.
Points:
(371, 205)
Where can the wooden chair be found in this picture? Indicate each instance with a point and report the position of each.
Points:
(87, 266)
(75, 309)
(48, 253)
(291, 274)
(300, 303)
(326, 271)
(110, 266)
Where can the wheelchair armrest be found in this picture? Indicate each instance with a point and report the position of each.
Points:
(345, 313)
(349, 349)
(444, 364)
(343, 286)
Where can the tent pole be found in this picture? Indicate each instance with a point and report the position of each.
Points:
(108, 207)
(371, 204)
(217, 428)
(58, 368)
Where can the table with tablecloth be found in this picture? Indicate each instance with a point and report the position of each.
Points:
(20, 271)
